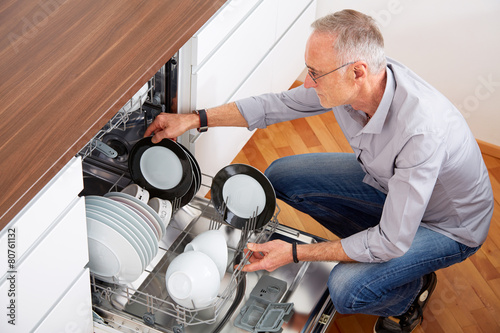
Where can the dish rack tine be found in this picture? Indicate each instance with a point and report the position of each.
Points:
(176, 204)
(214, 225)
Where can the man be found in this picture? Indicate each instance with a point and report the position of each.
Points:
(413, 198)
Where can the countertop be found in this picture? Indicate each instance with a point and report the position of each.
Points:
(66, 68)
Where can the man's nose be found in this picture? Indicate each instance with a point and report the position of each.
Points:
(308, 82)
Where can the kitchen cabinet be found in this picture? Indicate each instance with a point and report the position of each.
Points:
(44, 256)
(258, 50)
(73, 312)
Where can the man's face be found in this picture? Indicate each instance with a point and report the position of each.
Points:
(333, 89)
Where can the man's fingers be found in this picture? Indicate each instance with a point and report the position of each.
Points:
(252, 267)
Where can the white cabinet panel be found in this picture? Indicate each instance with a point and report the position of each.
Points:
(218, 147)
(220, 27)
(42, 210)
(223, 73)
(73, 312)
(47, 271)
(264, 54)
(292, 48)
(288, 11)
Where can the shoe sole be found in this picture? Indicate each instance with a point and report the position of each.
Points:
(424, 297)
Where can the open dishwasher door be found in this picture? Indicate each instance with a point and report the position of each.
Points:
(295, 296)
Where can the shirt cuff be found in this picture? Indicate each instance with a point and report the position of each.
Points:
(356, 247)
(253, 112)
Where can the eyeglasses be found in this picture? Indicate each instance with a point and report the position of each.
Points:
(314, 78)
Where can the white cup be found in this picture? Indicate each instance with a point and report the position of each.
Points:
(192, 280)
(213, 244)
(162, 207)
(137, 192)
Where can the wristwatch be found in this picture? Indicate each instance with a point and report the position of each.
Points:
(203, 120)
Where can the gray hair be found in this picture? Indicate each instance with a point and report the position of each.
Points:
(357, 38)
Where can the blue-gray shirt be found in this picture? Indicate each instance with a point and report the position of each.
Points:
(417, 148)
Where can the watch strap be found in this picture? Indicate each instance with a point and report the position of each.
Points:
(203, 120)
(294, 252)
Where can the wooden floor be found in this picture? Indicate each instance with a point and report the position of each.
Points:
(467, 296)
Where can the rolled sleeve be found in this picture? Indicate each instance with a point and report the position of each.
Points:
(264, 110)
(410, 189)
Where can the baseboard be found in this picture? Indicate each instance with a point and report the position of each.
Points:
(488, 148)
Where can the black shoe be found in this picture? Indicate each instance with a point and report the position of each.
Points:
(407, 322)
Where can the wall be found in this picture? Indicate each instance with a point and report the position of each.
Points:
(454, 45)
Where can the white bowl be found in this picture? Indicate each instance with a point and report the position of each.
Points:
(213, 244)
(192, 280)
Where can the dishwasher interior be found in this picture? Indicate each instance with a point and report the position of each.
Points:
(293, 298)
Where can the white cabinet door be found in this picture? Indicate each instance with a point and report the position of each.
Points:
(229, 66)
(47, 271)
(288, 12)
(274, 74)
(220, 27)
(42, 211)
(73, 312)
(264, 53)
(291, 47)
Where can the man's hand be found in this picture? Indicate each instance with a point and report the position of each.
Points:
(274, 254)
(171, 125)
(268, 256)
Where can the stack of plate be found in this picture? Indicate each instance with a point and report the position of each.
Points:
(241, 192)
(166, 169)
(123, 236)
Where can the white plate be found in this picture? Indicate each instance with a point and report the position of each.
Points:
(127, 234)
(135, 232)
(138, 231)
(161, 167)
(111, 256)
(243, 195)
(139, 212)
(141, 206)
(127, 215)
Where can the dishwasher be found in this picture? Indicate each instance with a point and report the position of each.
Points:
(293, 298)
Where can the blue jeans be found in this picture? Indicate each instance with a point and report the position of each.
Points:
(329, 188)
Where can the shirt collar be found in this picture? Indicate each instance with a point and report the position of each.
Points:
(376, 123)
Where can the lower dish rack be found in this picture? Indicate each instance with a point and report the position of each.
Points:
(147, 299)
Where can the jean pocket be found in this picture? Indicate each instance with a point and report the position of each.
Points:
(467, 251)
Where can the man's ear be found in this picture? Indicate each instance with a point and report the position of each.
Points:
(360, 70)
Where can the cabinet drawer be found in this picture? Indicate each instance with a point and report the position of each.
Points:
(273, 74)
(220, 27)
(48, 270)
(43, 210)
(73, 312)
(217, 79)
(288, 12)
(291, 46)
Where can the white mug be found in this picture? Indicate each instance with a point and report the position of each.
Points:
(162, 207)
(137, 192)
